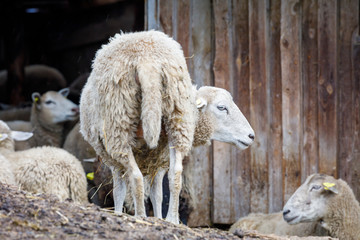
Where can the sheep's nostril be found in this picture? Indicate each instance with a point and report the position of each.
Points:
(75, 110)
(251, 136)
(285, 212)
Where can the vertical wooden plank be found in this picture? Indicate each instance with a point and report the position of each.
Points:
(309, 55)
(258, 107)
(183, 31)
(166, 16)
(241, 160)
(222, 151)
(291, 95)
(355, 163)
(151, 14)
(347, 25)
(327, 86)
(273, 68)
(200, 164)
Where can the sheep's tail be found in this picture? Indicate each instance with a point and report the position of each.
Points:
(150, 84)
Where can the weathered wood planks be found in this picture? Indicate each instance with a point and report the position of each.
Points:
(293, 69)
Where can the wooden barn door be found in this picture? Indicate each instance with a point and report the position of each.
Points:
(293, 69)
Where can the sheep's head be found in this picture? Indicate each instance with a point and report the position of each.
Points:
(311, 200)
(229, 124)
(53, 107)
(7, 136)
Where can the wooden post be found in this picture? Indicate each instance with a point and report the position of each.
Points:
(273, 75)
(222, 211)
(309, 56)
(327, 88)
(291, 95)
(258, 106)
(348, 71)
(241, 160)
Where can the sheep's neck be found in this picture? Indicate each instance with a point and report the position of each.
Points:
(203, 130)
(344, 220)
(52, 132)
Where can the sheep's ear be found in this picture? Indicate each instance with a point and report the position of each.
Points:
(36, 97)
(65, 92)
(21, 136)
(3, 136)
(200, 103)
(330, 187)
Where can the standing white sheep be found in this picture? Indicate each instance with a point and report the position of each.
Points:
(141, 79)
(327, 200)
(44, 169)
(49, 113)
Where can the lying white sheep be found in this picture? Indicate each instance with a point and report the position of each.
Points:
(49, 113)
(329, 201)
(141, 79)
(44, 169)
(6, 174)
(273, 223)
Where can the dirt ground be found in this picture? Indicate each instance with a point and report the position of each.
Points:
(28, 216)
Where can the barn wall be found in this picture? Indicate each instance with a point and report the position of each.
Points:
(293, 69)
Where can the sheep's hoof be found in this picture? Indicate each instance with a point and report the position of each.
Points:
(173, 220)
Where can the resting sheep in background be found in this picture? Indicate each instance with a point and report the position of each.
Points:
(273, 223)
(44, 169)
(6, 174)
(49, 113)
(322, 198)
(140, 86)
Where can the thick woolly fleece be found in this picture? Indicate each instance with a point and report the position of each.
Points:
(6, 174)
(45, 170)
(342, 217)
(137, 76)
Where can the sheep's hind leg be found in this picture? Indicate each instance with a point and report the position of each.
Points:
(175, 182)
(135, 179)
(119, 189)
(156, 193)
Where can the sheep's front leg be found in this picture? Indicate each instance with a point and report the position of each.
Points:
(119, 189)
(156, 193)
(175, 171)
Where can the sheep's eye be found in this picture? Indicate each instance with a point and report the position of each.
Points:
(48, 102)
(315, 187)
(222, 108)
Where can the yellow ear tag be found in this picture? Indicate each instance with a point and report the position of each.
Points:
(90, 176)
(36, 99)
(327, 185)
(198, 102)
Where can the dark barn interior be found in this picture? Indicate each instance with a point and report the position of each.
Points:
(63, 34)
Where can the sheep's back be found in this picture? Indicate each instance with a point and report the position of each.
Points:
(50, 170)
(111, 99)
